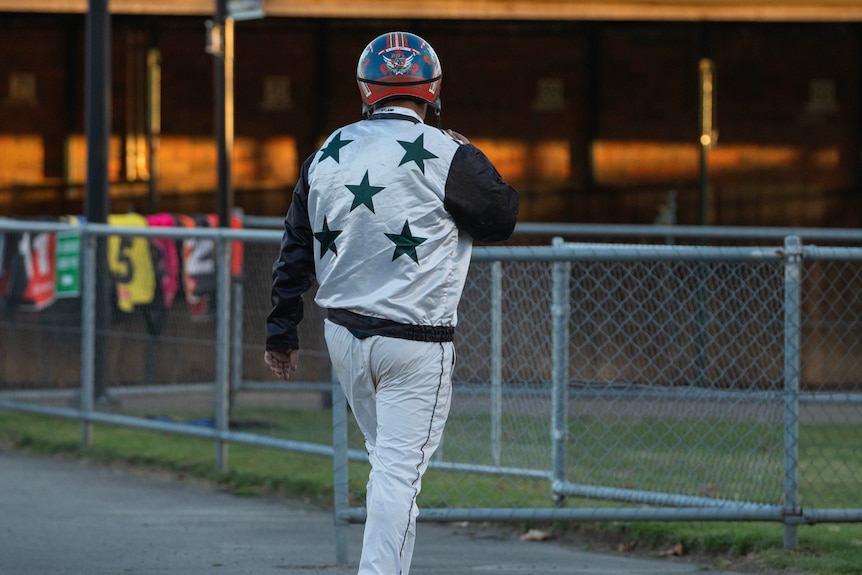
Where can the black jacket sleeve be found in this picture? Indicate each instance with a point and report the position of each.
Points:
(482, 204)
(292, 273)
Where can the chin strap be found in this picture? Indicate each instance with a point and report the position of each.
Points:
(438, 110)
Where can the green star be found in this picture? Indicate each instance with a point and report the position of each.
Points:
(405, 243)
(333, 148)
(415, 152)
(363, 193)
(326, 237)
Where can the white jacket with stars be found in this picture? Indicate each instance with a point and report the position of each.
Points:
(383, 217)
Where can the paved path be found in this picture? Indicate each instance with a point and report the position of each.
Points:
(62, 517)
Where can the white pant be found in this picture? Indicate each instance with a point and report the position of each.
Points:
(399, 391)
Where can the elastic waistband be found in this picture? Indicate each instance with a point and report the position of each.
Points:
(389, 328)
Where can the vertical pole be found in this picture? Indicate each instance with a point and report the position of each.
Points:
(224, 110)
(792, 314)
(98, 109)
(341, 483)
(236, 346)
(223, 320)
(88, 332)
(706, 70)
(592, 107)
(97, 199)
(496, 360)
(707, 132)
(154, 119)
(222, 51)
(560, 310)
(236, 324)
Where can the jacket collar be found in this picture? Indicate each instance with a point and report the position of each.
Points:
(396, 113)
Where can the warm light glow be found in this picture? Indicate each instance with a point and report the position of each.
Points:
(518, 160)
(509, 156)
(553, 160)
(76, 158)
(22, 159)
(188, 164)
(621, 163)
(271, 161)
(644, 162)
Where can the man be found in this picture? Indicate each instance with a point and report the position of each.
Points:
(383, 217)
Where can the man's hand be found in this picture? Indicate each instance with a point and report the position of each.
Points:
(456, 136)
(282, 362)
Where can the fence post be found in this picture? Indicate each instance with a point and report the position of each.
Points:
(792, 312)
(236, 346)
(496, 360)
(88, 332)
(223, 336)
(236, 324)
(560, 371)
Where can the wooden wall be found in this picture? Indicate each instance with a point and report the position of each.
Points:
(593, 121)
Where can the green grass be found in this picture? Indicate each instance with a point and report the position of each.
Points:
(830, 549)
(251, 470)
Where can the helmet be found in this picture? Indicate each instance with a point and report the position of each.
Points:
(398, 64)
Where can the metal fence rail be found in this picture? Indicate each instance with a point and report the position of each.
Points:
(595, 381)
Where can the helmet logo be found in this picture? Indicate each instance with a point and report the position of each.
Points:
(398, 64)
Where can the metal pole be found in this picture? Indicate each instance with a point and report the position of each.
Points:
(97, 199)
(98, 109)
(154, 121)
(496, 360)
(223, 334)
(708, 133)
(707, 140)
(560, 310)
(88, 332)
(224, 109)
(221, 44)
(703, 196)
(236, 339)
(792, 313)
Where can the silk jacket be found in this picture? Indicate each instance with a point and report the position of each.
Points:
(383, 217)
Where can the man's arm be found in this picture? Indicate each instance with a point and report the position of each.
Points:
(292, 276)
(482, 204)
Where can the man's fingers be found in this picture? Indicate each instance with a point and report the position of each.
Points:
(455, 135)
(281, 362)
(282, 369)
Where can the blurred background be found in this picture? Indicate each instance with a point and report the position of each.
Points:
(636, 112)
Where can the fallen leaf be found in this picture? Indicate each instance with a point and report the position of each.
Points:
(536, 535)
(676, 551)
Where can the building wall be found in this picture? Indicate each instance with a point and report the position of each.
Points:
(593, 121)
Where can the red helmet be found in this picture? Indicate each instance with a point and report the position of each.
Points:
(398, 64)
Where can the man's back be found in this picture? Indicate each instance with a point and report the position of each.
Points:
(387, 245)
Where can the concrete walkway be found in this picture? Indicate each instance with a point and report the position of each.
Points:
(62, 517)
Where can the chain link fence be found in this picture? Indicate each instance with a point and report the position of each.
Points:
(636, 380)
